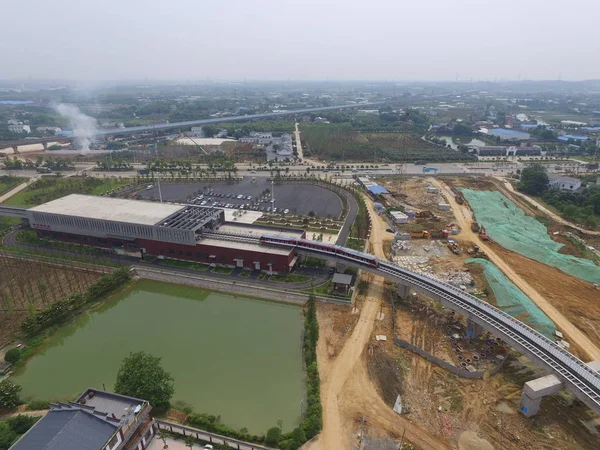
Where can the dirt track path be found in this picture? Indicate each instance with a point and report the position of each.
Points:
(464, 218)
(347, 390)
(545, 210)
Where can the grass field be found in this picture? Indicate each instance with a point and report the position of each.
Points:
(337, 143)
(7, 183)
(51, 188)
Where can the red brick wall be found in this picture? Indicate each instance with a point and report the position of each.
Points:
(224, 255)
(198, 252)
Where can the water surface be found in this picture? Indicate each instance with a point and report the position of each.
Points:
(237, 357)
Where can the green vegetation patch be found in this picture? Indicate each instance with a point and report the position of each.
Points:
(50, 188)
(7, 183)
(187, 264)
(340, 143)
(289, 278)
(223, 270)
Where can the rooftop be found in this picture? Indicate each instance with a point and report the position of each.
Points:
(257, 231)
(340, 278)
(70, 429)
(118, 406)
(246, 246)
(108, 208)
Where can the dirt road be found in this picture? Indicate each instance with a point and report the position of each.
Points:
(464, 218)
(545, 210)
(347, 391)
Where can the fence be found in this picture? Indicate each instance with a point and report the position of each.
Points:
(440, 362)
(208, 437)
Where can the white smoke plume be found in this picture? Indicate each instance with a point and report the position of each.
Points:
(84, 127)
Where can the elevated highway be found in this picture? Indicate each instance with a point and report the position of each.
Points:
(576, 376)
(189, 123)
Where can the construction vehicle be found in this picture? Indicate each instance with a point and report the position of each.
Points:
(475, 227)
(476, 252)
(430, 169)
(422, 216)
(420, 235)
(483, 235)
(459, 198)
(454, 248)
(442, 234)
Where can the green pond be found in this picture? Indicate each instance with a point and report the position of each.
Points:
(237, 357)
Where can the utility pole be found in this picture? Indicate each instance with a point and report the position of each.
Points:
(272, 195)
(159, 190)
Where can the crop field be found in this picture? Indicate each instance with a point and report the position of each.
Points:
(337, 143)
(51, 188)
(28, 285)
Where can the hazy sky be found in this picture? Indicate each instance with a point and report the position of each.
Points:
(300, 39)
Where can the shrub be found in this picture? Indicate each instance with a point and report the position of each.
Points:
(36, 405)
(21, 423)
(9, 394)
(12, 356)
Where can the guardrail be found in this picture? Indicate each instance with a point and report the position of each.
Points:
(206, 436)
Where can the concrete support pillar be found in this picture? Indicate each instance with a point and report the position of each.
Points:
(403, 291)
(340, 267)
(16, 149)
(534, 390)
(474, 329)
(45, 144)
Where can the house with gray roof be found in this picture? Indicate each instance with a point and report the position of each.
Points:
(97, 420)
(565, 183)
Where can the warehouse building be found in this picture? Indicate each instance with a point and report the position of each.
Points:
(159, 229)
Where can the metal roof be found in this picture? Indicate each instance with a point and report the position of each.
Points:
(376, 189)
(108, 208)
(246, 246)
(67, 430)
(340, 278)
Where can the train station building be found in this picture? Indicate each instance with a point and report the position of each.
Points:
(164, 230)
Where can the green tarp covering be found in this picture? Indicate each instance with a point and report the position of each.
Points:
(508, 225)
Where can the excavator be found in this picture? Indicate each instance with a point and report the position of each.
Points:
(483, 235)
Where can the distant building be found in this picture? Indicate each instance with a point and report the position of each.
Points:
(53, 130)
(342, 283)
(565, 183)
(572, 123)
(491, 150)
(197, 131)
(285, 146)
(257, 138)
(533, 150)
(505, 134)
(320, 120)
(19, 128)
(98, 109)
(575, 137)
(97, 420)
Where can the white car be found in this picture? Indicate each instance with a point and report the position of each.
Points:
(286, 211)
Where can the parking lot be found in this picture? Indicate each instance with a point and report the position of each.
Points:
(296, 198)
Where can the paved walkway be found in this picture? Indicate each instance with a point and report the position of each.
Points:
(17, 189)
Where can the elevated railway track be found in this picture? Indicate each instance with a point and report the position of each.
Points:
(578, 378)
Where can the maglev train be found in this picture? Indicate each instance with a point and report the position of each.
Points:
(329, 249)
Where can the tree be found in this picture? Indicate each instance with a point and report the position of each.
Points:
(21, 423)
(7, 436)
(298, 438)
(190, 441)
(142, 376)
(534, 180)
(9, 394)
(209, 130)
(273, 436)
(163, 435)
(591, 222)
(12, 356)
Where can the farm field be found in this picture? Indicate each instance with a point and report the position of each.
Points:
(51, 188)
(337, 143)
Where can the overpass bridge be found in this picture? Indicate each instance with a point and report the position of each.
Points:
(569, 371)
(13, 211)
(189, 123)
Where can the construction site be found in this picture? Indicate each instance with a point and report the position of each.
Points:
(401, 371)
